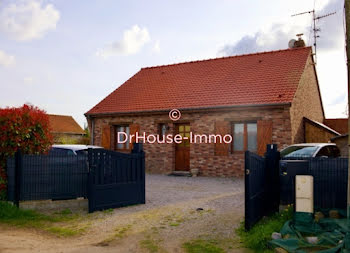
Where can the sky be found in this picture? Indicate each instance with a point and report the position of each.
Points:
(66, 56)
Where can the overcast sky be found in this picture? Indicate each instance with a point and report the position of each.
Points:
(65, 56)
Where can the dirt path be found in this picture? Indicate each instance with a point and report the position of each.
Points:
(178, 210)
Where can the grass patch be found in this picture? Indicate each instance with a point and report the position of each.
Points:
(202, 246)
(63, 232)
(118, 233)
(257, 238)
(109, 210)
(150, 245)
(10, 214)
(121, 232)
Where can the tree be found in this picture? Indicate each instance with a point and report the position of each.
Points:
(25, 128)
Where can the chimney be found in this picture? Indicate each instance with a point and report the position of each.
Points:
(300, 42)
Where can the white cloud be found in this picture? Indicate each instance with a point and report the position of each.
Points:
(131, 43)
(6, 60)
(156, 47)
(28, 79)
(28, 20)
(278, 34)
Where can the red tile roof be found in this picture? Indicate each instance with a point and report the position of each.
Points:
(64, 124)
(253, 79)
(340, 125)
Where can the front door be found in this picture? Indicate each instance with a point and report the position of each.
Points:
(182, 150)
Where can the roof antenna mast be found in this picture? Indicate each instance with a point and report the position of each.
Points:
(315, 29)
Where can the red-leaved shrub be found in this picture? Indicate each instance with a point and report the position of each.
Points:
(26, 128)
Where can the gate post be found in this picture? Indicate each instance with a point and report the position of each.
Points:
(18, 175)
(247, 224)
(90, 182)
(272, 184)
(138, 149)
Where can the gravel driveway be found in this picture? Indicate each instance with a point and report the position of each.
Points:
(177, 210)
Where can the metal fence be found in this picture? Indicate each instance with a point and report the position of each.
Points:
(330, 180)
(116, 179)
(261, 185)
(39, 177)
(107, 178)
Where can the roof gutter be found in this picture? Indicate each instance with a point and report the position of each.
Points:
(194, 109)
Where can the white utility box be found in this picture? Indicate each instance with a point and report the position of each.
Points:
(304, 194)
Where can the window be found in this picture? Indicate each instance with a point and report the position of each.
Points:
(244, 136)
(61, 151)
(299, 151)
(120, 138)
(329, 151)
(335, 152)
(162, 129)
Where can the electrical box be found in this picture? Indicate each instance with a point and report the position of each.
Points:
(304, 194)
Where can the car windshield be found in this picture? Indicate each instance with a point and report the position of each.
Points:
(299, 151)
(82, 152)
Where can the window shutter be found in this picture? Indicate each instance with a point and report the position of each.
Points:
(222, 128)
(133, 129)
(264, 135)
(106, 137)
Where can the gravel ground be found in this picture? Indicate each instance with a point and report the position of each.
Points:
(162, 190)
(169, 218)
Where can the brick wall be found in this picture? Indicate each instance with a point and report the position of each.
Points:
(160, 157)
(307, 103)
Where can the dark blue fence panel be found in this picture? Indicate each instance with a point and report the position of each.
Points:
(330, 182)
(289, 168)
(116, 179)
(11, 181)
(48, 177)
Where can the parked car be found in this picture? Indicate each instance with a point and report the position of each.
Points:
(295, 161)
(307, 150)
(70, 149)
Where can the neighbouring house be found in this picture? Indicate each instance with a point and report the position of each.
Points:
(318, 132)
(257, 98)
(341, 126)
(65, 129)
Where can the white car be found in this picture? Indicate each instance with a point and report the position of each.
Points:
(306, 150)
(70, 149)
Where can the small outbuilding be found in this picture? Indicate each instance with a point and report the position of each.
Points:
(65, 129)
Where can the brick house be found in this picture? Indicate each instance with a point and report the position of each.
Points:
(257, 98)
(65, 129)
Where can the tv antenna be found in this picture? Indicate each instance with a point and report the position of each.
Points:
(314, 28)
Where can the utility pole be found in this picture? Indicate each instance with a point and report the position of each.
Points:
(347, 45)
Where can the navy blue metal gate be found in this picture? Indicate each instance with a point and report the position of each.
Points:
(261, 185)
(116, 179)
